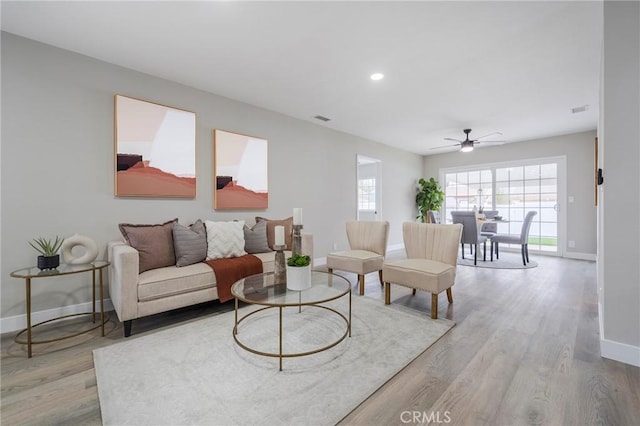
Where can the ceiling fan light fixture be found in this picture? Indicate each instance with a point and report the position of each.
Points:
(466, 146)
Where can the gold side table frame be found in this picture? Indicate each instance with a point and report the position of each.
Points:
(274, 303)
(32, 273)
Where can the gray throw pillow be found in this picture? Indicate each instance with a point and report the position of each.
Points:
(153, 242)
(190, 243)
(255, 239)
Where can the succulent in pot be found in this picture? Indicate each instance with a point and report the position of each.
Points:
(48, 249)
(299, 260)
(298, 272)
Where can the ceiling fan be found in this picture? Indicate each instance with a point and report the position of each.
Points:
(467, 144)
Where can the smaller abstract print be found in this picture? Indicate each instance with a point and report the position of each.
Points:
(240, 172)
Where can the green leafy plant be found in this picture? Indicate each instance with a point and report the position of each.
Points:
(298, 260)
(430, 196)
(47, 247)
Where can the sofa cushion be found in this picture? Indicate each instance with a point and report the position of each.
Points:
(271, 233)
(190, 243)
(225, 239)
(255, 239)
(170, 281)
(153, 242)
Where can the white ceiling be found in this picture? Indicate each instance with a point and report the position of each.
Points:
(513, 67)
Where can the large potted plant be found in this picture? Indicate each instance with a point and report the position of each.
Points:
(430, 196)
(298, 272)
(48, 249)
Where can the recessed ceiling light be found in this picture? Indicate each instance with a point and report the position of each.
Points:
(377, 76)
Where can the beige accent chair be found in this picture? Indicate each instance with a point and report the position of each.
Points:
(432, 257)
(367, 248)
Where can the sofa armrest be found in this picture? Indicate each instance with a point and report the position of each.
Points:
(123, 279)
(306, 246)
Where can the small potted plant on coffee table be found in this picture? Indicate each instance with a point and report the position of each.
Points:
(48, 249)
(298, 272)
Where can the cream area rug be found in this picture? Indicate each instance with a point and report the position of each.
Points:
(196, 374)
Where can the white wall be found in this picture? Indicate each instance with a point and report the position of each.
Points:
(619, 257)
(58, 164)
(579, 151)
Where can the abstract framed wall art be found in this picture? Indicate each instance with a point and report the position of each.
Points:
(240, 171)
(155, 150)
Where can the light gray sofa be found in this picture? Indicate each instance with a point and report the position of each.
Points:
(135, 295)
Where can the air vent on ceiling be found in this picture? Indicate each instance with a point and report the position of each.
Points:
(582, 108)
(321, 118)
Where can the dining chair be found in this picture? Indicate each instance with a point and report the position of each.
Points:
(522, 239)
(434, 216)
(367, 248)
(432, 257)
(470, 234)
(491, 228)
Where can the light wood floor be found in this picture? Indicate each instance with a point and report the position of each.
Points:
(525, 351)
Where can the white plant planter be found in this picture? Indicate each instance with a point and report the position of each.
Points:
(298, 277)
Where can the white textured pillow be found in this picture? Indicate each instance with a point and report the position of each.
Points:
(225, 239)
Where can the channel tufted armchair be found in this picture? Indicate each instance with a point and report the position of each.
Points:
(432, 258)
(367, 248)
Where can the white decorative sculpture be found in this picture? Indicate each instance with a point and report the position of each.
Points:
(78, 241)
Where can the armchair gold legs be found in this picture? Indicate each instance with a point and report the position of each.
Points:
(361, 280)
(361, 284)
(434, 298)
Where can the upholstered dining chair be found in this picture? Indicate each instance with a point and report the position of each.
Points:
(470, 234)
(522, 239)
(432, 256)
(367, 248)
(491, 228)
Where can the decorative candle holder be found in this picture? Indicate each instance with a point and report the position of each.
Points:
(297, 240)
(280, 266)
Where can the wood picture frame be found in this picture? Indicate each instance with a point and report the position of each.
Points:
(155, 149)
(240, 172)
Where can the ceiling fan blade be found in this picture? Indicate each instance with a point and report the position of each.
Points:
(451, 139)
(487, 135)
(495, 142)
(446, 146)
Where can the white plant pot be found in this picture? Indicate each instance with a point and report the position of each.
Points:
(298, 277)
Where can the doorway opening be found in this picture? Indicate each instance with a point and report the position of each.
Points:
(369, 184)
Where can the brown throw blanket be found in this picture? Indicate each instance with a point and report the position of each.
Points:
(228, 271)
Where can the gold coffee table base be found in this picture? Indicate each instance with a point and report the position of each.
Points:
(262, 290)
(281, 354)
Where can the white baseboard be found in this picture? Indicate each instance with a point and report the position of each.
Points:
(580, 256)
(399, 246)
(620, 352)
(19, 322)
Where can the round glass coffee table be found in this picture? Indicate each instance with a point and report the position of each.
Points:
(261, 290)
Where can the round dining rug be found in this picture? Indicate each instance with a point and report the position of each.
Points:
(507, 261)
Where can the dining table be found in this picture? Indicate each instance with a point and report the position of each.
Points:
(481, 221)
